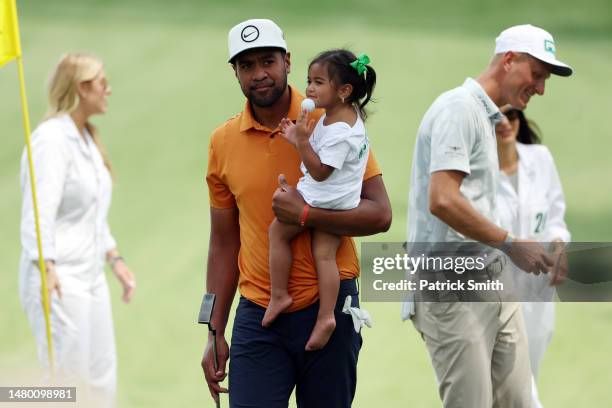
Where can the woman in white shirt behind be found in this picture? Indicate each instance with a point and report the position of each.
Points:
(531, 206)
(74, 183)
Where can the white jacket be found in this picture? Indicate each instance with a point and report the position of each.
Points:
(540, 201)
(536, 212)
(74, 195)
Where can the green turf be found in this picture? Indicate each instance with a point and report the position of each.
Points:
(171, 87)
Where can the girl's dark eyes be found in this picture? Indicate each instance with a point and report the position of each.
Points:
(317, 82)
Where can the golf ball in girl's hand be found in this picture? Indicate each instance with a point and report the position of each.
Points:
(308, 105)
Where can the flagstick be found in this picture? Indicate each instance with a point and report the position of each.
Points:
(26, 127)
(41, 260)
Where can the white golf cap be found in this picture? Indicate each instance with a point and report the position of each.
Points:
(534, 41)
(256, 33)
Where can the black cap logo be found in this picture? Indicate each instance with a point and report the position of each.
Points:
(249, 33)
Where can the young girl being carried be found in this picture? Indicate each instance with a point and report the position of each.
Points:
(334, 154)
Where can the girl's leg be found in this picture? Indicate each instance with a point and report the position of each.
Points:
(324, 248)
(280, 267)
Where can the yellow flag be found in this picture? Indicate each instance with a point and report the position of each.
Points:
(9, 32)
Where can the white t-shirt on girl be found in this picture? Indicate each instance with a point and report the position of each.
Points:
(346, 149)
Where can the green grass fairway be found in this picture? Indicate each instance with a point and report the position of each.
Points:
(172, 87)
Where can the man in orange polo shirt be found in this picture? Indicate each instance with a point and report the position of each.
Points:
(246, 156)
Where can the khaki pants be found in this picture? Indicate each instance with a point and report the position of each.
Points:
(478, 351)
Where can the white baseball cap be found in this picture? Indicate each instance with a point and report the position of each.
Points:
(256, 33)
(534, 41)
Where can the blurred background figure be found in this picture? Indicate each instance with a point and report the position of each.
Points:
(531, 206)
(74, 183)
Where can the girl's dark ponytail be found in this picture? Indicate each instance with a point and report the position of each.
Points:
(369, 84)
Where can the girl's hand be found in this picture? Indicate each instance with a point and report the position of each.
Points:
(303, 127)
(298, 132)
(126, 278)
(288, 129)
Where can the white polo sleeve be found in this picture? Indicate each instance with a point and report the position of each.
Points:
(50, 160)
(452, 139)
(335, 145)
(108, 239)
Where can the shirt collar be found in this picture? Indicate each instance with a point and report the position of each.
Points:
(73, 133)
(248, 121)
(488, 105)
(522, 151)
(69, 127)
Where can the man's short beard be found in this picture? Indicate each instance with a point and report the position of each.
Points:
(268, 101)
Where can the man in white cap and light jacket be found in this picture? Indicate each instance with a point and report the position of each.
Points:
(478, 349)
(246, 156)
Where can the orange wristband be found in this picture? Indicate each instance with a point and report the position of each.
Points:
(304, 215)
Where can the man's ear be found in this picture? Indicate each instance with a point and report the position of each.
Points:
(235, 71)
(508, 59)
(288, 62)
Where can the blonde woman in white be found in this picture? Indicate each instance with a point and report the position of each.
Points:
(531, 205)
(74, 184)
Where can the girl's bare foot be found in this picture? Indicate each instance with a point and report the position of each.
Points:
(276, 306)
(321, 333)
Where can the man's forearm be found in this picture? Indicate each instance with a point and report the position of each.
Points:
(372, 216)
(364, 220)
(222, 280)
(457, 213)
(222, 270)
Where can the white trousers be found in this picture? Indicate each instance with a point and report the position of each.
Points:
(539, 323)
(81, 329)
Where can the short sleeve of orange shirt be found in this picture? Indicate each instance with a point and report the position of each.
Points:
(244, 161)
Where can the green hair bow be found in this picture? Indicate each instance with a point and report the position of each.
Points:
(360, 63)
